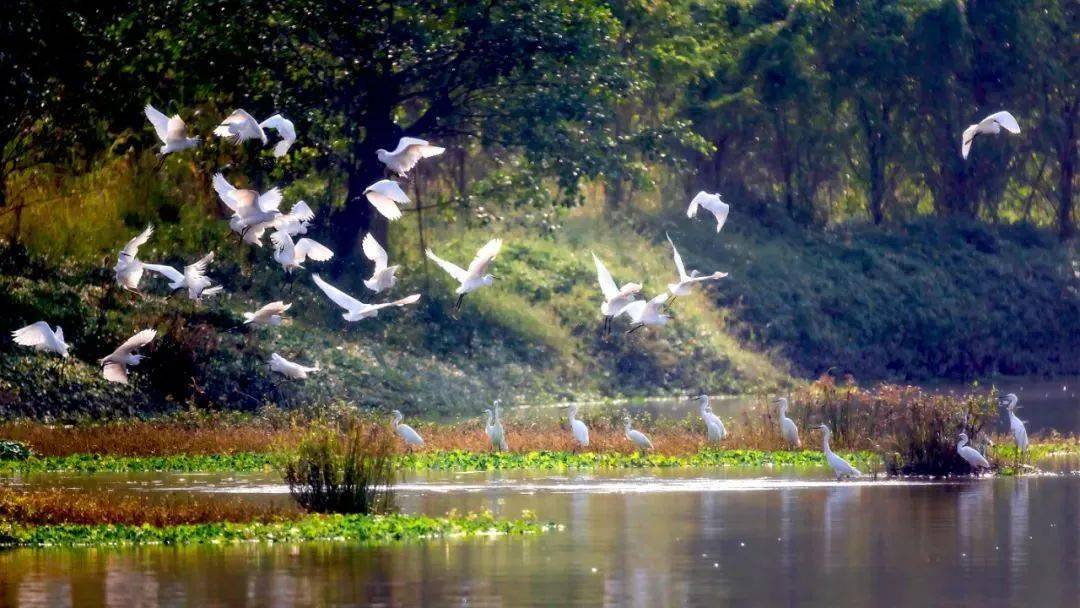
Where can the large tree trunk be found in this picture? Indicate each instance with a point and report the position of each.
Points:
(1066, 179)
(357, 217)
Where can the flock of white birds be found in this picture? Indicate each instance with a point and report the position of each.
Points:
(253, 214)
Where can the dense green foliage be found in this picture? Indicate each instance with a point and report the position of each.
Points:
(14, 450)
(366, 529)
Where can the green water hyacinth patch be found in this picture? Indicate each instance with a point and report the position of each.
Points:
(245, 462)
(484, 461)
(362, 529)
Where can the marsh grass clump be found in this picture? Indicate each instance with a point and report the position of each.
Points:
(343, 471)
(62, 506)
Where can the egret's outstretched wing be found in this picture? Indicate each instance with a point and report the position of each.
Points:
(285, 128)
(269, 201)
(678, 259)
(402, 302)
(34, 334)
(240, 126)
(375, 252)
(450, 268)
(193, 273)
(339, 297)
(483, 258)
(132, 248)
(159, 120)
(704, 277)
(968, 137)
(607, 284)
(411, 149)
(1006, 120)
(226, 192)
(300, 212)
(659, 300)
(134, 343)
(696, 202)
(168, 272)
(307, 248)
(634, 309)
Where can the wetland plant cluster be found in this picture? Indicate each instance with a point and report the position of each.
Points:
(343, 472)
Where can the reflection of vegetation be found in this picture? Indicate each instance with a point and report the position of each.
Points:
(365, 529)
(350, 472)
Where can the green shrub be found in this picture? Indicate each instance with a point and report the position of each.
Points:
(343, 472)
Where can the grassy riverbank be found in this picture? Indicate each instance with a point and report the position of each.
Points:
(364, 529)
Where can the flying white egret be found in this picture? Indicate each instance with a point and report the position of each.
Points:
(476, 276)
(285, 128)
(1016, 426)
(715, 433)
(254, 213)
(971, 455)
(290, 369)
(636, 437)
(193, 277)
(642, 312)
(241, 126)
(578, 428)
(991, 125)
(382, 276)
(385, 195)
(114, 367)
(686, 281)
(41, 337)
(412, 438)
(293, 255)
(711, 203)
(494, 429)
(270, 314)
(171, 131)
(408, 152)
(788, 430)
(615, 298)
(296, 221)
(840, 467)
(355, 310)
(129, 269)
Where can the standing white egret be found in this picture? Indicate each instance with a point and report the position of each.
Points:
(636, 437)
(991, 125)
(285, 128)
(193, 278)
(41, 337)
(382, 276)
(412, 438)
(788, 430)
(578, 428)
(240, 126)
(253, 213)
(129, 269)
(687, 280)
(290, 369)
(615, 298)
(1016, 426)
(270, 314)
(385, 195)
(171, 131)
(719, 424)
(711, 203)
(476, 276)
(840, 467)
(642, 312)
(971, 455)
(408, 152)
(114, 367)
(355, 310)
(715, 433)
(292, 255)
(494, 429)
